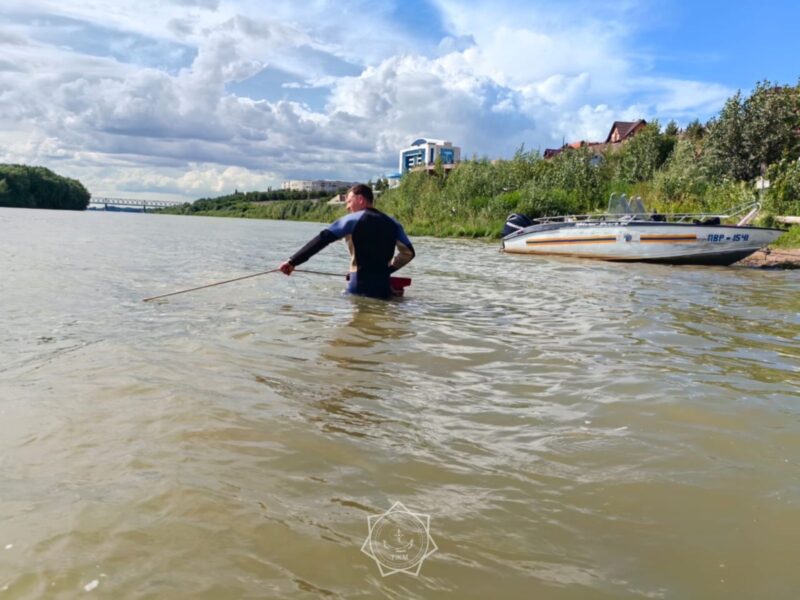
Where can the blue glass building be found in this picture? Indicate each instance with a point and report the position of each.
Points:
(423, 153)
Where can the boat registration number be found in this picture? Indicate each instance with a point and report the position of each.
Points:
(721, 237)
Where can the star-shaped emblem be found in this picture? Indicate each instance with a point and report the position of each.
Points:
(399, 540)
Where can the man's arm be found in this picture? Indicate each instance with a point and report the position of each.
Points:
(335, 231)
(316, 244)
(405, 251)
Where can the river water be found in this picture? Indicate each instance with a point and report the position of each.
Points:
(573, 429)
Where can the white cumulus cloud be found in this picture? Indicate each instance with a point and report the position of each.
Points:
(135, 98)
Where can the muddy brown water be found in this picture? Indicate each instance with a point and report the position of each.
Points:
(573, 429)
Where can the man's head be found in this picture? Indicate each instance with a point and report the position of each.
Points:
(359, 197)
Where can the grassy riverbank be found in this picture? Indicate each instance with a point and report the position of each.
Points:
(480, 219)
(790, 239)
(442, 208)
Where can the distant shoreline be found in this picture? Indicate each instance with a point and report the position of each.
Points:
(773, 257)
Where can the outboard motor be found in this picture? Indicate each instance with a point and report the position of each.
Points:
(515, 222)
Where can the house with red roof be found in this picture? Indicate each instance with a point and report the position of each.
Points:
(620, 132)
(624, 130)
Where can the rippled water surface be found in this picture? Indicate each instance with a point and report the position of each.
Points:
(575, 430)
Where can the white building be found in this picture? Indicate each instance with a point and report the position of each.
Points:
(424, 153)
(316, 185)
(394, 180)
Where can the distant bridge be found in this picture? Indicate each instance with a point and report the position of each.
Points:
(143, 204)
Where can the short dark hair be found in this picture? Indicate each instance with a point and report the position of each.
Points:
(361, 189)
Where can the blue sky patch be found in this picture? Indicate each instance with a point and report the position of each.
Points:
(273, 84)
(124, 46)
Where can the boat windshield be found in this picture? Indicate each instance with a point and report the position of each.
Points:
(637, 206)
(621, 205)
(618, 205)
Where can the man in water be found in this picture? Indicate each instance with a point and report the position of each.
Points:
(371, 237)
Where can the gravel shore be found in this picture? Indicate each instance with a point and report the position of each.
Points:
(773, 258)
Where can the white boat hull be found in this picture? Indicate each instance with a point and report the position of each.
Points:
(642, 241)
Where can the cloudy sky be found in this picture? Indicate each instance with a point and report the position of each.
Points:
(190, 98)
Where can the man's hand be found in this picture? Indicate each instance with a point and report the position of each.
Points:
(286, 268)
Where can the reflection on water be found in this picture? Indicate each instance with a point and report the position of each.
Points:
(574, 429)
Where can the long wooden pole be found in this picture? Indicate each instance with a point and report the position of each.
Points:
(202, 287)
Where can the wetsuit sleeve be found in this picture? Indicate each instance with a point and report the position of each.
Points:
(405, 251)
(336, 231)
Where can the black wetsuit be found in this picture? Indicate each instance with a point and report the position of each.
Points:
(372, 238)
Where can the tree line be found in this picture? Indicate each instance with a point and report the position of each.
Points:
(37, 187)
(241, 201)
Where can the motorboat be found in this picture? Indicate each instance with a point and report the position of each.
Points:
(628, 232)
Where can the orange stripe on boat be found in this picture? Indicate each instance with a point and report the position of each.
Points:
(669, 238)
(589, 239)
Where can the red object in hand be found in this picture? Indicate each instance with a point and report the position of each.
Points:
(399, 284)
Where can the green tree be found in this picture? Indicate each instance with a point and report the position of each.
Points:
(783, 195)
(772, 116)
(695, 131)
(438, 170)
(671, 129)
(752, 133)
(682, 179)
(641, 156)
(724, 147)
(38, 187)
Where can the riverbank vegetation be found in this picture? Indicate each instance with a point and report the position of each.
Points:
(790, 239)
(709, 167)
(233, 205)
(37, 187)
